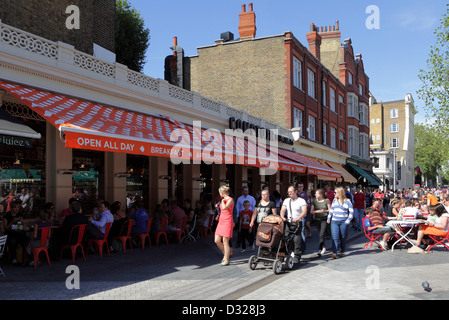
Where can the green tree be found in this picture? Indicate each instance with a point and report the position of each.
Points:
(435, 80)
(430, 152)
(132, 39)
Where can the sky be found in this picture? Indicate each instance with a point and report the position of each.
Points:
(394, 47)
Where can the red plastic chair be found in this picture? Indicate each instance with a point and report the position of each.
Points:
(81, 228)
(127, 226)
(45, 235)
(182, 231)
(144, 236)
(373, 238)
(163, 232)
(438, 240)
(99, 243)
(206, 230)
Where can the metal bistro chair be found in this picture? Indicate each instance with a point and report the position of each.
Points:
(192, 228)
(125, 234)
(77, 232)
(2, 249)
(43, 246)
(146, 235)
(99, 243)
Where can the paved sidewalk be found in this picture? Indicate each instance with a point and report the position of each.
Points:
(175, 272)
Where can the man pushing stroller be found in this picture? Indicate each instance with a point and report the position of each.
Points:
(296, 209)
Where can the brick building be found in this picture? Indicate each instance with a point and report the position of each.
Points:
(322, 89)
(47, 19)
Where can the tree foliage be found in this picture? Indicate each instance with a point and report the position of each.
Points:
(435, 79)
(131, 36)
(431, 152)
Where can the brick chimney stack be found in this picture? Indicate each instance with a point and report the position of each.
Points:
(314, 40)
(247, 26)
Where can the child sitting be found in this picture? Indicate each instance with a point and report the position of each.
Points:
(375, 225)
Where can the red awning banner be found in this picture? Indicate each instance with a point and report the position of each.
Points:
(92, 126)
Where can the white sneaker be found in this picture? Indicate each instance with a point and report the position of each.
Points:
(384, 245)
(323, 251)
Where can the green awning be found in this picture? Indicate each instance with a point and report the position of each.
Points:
(371, 181)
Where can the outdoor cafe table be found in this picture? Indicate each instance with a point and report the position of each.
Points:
(396, 225)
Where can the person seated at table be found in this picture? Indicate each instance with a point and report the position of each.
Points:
(176, 218)
(374, 224)
(140, 217)
(97, 229)
(67, 211)
(120, 217)
(437, 228)
(13, 222)
(393, 210)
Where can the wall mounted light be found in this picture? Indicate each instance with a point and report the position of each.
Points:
(66, 171)
(122, 175)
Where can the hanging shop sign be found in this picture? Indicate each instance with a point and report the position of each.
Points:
(13, 141)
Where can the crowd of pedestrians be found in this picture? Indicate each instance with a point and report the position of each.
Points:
(235, 218)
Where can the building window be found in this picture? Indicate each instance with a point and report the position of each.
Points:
(324, 94)
(353, 106)
(364, 146)
(324, 133)
(297, 73)
(297, 119)
(342, 102)
(394, 127)
(311, 83)
(312, 127)
(393, 113)
(378, 137)
(333, 138)
(394, 143)
(353, 141)
(349, 77)
(332, 99)
(363, 114)
(360, 89)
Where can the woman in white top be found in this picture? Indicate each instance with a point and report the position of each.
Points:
(438, 228)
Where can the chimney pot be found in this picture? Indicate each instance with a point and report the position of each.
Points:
(175, 41)
(247, 25)
(243, 7)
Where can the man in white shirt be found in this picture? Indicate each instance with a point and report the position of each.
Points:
(239, 207)
(296, 210)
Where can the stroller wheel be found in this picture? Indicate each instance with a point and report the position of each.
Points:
(252, 262)
(289, 262)
(277, 267)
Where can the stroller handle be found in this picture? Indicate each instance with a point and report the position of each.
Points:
(289, 224)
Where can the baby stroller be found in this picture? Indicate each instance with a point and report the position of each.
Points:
(275, 248)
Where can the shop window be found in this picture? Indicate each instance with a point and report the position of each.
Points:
(22, 164)
(88, 181)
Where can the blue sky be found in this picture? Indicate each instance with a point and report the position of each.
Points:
(392, 54)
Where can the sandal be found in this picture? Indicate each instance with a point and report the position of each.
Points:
(224, 264)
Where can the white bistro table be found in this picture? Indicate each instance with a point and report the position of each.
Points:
(397, 224)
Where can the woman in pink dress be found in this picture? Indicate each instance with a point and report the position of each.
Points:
(225, 226)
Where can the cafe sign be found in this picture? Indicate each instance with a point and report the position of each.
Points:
(13, 141)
